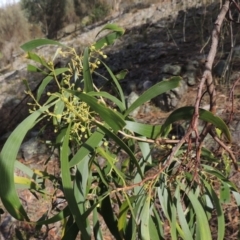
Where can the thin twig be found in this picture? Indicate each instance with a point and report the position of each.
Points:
(226, 148)
(157, 141)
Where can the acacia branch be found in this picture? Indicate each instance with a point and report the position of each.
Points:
(207, 80)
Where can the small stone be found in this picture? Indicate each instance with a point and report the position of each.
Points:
(131, 99)
(146, 85)
(131, 86)
(171, 69)
(190, 78)
(190, 75)
(33, 149)
(170, 100)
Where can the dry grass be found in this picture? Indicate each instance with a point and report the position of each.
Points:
(14, 30)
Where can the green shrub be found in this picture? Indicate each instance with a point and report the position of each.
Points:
(140, 196)
(49, 13)
(99, 11)
(96, 10)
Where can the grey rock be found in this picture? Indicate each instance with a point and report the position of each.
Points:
(170, 100)
(155, 55)
(131, 87)
(171, 69)
(165, 77)
(146, 85)
(11, 101)
(192, 66)
(130, 100)
(190, 75)
(157, 45)
(33, 149)
(190, 78)
(180, 90)
(9, 76)
(143, 85)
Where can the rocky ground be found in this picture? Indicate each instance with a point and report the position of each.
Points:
(161, 40)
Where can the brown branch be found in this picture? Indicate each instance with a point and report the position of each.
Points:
(207, 80)
(227, 149)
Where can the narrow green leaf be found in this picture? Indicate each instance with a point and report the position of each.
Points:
(81, 181)
(111, 162)
(119, 104)
(168, 208)
(123, 146)
(8, 155)
(153, 229)
(71, 232)
(48, 79)
(154, 91)
(208, 155)
(97, 226)
(56, 218)
(202, 222)
(144, 217)
(107, 40)
(116, 83)
(146, 152)
(217, 205)
(112, 27)
(122, 219)
(187, 235)
(146, 130)
(121, 75)
(29, 46)
(158, 223)
(25, 169)
(59, 108)
(186, 113)
(109, 217)
(25, 183)
(163, 197)
(87, 75)
(115, 33)
(32, 68)
(88, 147)
(219, 176)
(59, 71)
(133, 235)
(81, 191)
(225, 195)
(35, 57)
(68, 187)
